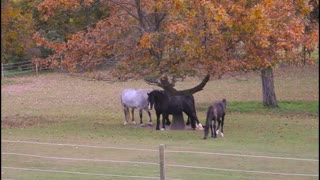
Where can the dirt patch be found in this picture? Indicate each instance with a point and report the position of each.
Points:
(18, 121)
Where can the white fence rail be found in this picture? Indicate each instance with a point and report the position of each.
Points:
(161, 165)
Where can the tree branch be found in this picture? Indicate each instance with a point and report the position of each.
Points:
(169, 87)
(125, 8)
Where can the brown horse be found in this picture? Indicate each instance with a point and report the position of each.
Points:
(216, 112)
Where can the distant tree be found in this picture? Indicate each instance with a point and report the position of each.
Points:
(163, 41)
(17, 30)
(66, 22)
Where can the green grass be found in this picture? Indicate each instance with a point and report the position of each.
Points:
(290, 107)
(57, 108)
(315, 55)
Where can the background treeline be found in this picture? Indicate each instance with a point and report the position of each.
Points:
(20, 19)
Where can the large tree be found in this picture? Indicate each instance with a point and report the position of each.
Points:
(163, 41)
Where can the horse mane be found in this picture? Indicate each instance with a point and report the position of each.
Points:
(160, 91)
(145, 90)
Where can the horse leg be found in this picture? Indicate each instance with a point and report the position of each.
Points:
(198, 124)
(188, 121)
(211, 127)
(168, 121)
(218, 129)
(206, 129)
(193, 122)
(164, 117)
(150, 120)
(214, 128)
(132, 112)
(222, 123)
(126, 114)
(192, 118)
(158, 121)
(140, 115)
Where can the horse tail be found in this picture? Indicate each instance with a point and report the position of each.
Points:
(194, 107)
(122, 103)
(121, 100)
(125, 109)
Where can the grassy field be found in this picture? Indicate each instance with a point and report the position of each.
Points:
(55, 126)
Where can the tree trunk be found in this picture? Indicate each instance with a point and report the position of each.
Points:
(177, 122)
(269, 95)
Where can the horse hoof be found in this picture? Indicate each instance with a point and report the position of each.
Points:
(222, 135)
(150, 124)
(162, 129)
(125, 123)
(204, 137)
(141, 125)
(133, 122)
(200, 126)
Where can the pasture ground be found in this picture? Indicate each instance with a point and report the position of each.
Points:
(40, 113)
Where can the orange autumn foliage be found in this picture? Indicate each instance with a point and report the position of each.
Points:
(179, 38)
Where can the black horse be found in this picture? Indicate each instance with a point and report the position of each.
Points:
(189, 119)
(165, 105)
(216, 112)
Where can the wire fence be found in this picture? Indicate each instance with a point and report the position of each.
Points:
(158, 163)
(19, 68)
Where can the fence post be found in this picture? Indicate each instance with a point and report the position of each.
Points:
(162, 162)
(2, 71)
(37, 68)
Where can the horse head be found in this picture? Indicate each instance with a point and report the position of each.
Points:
(155, 96)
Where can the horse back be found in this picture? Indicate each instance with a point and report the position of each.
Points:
(210, 113)
(135, 98)
(174, 105)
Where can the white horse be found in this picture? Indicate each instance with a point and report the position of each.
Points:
(132, 98)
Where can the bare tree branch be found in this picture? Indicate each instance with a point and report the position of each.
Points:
(122, 5)
(169, 87)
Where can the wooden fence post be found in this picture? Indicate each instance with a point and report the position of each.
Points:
(37, 68)
(162, 162)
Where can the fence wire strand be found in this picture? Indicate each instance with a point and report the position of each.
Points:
(157, 164)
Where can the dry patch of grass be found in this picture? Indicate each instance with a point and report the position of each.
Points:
(21, 122)
(56, 94)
